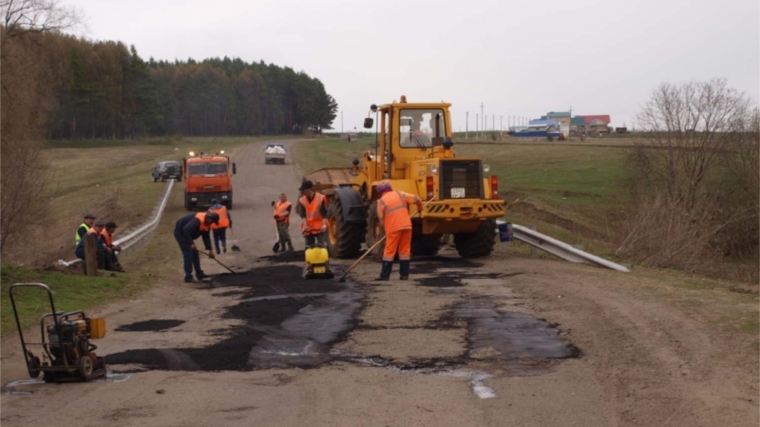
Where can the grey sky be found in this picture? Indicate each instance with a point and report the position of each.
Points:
(518, 58)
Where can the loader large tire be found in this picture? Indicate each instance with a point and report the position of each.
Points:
(375, 231)
(344, 239)
(478, 243)
(426, 244)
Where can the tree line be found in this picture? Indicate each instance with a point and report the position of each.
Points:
(105, 90)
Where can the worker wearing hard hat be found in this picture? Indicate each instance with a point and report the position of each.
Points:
(189, 228)
(393, 213)
(312, 207)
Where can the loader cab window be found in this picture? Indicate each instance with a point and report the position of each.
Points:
(417, 127)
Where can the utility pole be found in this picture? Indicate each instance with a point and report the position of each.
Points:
(482, 116)
(467, 126)
(341, 121)
(477, 124)
(493, 122)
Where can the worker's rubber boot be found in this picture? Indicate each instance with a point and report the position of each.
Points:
(404, 270)
(385, 273)
(290, 246)
(224, 247)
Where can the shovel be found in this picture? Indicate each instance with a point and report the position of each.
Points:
(276, 247)
(235, 247)
(219, 262)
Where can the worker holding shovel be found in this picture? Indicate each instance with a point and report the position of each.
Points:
(393, 213)
(282, 210)
(189, 228)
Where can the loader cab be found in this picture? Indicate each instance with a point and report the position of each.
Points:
(409, 132)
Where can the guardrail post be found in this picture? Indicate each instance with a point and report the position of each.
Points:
(90, 255)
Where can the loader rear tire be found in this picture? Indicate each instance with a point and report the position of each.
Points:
(344, 239)
(426, 244)
(479, 243)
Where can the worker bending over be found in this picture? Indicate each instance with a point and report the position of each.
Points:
(312, 207)
(393, 213)
(282, 218)
(189, 228)
(106, 238)
(225, 222)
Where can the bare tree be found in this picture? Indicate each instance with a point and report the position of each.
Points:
(692, 125)
(37, 16)
(28, 81)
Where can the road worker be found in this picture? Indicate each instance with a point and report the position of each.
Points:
(87, 223)
(393, 213)
(282, 211)
(225, 222)
(189, 228)
(106, 238)
(312, 207)
(95, 230)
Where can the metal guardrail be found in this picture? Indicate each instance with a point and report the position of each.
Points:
(138, 237)
(561, 249)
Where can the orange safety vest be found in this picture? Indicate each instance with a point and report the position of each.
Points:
(311, 209)
(393, 207)
(202, 218)
(224, 219)
(281, 211)
(107, 237)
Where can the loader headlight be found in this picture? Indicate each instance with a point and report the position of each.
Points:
(433, 169)
(486, 168)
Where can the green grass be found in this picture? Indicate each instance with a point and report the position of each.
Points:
(72, 292)
(322, 153)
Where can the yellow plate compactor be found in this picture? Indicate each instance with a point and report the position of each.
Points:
(317, 263)
(67, 353)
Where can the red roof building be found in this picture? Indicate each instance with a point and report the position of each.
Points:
(603, 117)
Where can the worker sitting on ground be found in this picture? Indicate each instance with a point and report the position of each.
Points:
(89, 220)
(393, 213)
(189, 228)
(282, 218)
(312, 207)
(106, 238)
(225, 222)
(96, 229)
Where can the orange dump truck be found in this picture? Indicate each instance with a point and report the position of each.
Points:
(208, 176)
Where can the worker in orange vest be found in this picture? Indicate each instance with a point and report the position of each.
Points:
(393, 213)
(189, 228)
(96, 229)
(282, 218)
(312, 207)
(220, 229)
(106, 237)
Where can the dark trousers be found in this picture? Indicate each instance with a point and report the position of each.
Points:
(220, 234)
(315, 239)
(189, 256)
(112, 262)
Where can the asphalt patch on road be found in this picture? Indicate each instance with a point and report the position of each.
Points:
(432, 265)
(156, 325)
(287, 321)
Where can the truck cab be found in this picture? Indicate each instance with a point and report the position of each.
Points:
(208, 176)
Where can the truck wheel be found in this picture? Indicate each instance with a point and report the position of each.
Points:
(426, 244)
(478, 243)
(228, 204)
(155, 179)
(375, 232)
(344, 239)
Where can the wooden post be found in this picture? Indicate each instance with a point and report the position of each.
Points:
(90, 255)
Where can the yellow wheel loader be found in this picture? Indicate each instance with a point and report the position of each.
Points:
(414, 152)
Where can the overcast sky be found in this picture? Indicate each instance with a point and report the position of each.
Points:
(518, 58)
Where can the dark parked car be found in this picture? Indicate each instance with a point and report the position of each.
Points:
(166, 170)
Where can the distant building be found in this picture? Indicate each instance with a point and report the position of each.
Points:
(597, 123)
(563, 117)
(577, 124)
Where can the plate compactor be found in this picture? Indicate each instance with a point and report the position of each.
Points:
(317, 263)
(67, 354)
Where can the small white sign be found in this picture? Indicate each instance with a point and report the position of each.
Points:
(457, 193)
